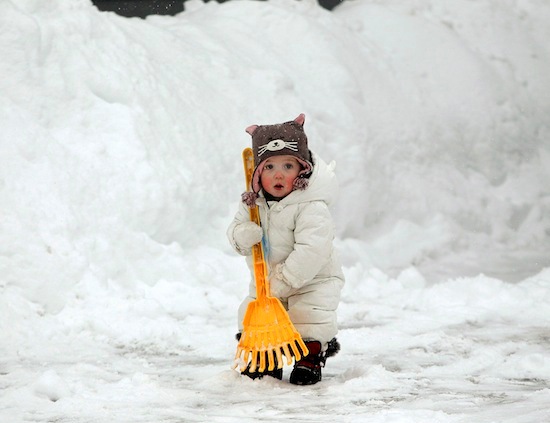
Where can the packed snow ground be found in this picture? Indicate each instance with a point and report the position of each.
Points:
(120, 170)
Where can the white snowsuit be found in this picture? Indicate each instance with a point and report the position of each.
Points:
(305, 272)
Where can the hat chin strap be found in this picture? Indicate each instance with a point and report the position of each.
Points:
(249, 198)
(300, 183)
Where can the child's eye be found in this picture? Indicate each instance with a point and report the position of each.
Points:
(268, 166)
(289, 166)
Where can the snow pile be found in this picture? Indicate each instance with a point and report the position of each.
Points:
(120, 170)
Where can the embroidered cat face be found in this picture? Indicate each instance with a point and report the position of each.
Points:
(276, 145)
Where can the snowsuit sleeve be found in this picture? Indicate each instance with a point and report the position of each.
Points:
(242, 215)
(312, 251)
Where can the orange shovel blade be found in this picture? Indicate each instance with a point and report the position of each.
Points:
(268, 335)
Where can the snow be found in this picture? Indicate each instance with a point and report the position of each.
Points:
(120, 171)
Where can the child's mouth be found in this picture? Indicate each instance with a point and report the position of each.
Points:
(279, 186)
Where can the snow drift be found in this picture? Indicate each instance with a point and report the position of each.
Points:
(120, 170)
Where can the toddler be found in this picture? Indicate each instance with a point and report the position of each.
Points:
(293, 189)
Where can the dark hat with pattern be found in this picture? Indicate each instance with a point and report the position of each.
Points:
(281, 139)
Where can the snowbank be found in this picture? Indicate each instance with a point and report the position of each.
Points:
(120, 170)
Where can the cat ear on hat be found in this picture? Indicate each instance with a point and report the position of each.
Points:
(251, 129)
(300, 119)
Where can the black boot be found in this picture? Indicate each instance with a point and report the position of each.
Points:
(276, 373)
(307, 371)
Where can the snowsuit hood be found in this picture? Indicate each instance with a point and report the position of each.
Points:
(323, 185)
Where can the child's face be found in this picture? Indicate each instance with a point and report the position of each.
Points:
(278, 175)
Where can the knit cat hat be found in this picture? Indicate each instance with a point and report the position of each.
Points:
(281, 139)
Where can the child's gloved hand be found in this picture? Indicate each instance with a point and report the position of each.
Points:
(247, 234)
(278, 287)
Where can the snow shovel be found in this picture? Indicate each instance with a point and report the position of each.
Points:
(268, 333)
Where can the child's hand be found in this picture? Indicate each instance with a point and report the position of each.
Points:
(247, 234)
(278, 287)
